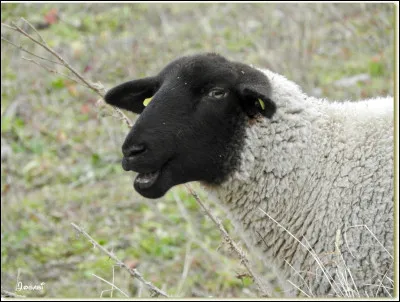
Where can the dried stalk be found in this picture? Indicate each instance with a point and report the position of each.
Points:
(96, 87)
(233, 245)
(132, 271)
(27, 51)
(112, 286)
(54, 71)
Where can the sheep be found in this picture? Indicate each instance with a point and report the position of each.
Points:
(307, 182)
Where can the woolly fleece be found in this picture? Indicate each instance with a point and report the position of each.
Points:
(324, 171)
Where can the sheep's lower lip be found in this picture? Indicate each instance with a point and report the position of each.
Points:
(146, 180)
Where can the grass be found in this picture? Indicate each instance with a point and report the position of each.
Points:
(61, 156)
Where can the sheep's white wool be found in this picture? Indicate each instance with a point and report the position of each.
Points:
(324, 171)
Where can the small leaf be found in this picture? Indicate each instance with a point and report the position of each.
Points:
(261, 103)
(6, 124)
(95, 159)
(146, 102)
(247, 281)
(58, 83)
(19, 123)
(376, 68)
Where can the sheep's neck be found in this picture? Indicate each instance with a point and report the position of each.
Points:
(284, 166)
(278, 153)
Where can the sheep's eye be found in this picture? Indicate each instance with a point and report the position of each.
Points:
(218, 93)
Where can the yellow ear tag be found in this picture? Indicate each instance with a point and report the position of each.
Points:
(146, 102)
(261, 103)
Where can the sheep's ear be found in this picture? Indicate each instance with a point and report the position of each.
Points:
(255, 99)
(130, 95)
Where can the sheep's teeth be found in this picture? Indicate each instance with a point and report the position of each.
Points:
(147, 179)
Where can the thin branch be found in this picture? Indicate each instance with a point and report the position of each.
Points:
(54, 71)
(192, 232)
(243, 259)
(97, 88)
(8, 26)
(27, 51)
(112, 286)
(113, 281)
(123, 117)
(54, 53)
(186, 267)
(35, 30)
(132, 271)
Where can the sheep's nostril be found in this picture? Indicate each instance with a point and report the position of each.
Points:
(133, 150)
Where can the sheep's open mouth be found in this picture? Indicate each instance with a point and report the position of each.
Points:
(151, 184)
(146, 180)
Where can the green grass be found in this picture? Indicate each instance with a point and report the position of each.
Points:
(61, 156)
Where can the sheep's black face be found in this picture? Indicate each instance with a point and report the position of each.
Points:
(194, 125)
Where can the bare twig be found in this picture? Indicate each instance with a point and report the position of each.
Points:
(54, 71)
(97, 88)
(186, 267)
(132, 271)
(35, 30)
(54, 53)
(193, 234)
(113, 281)
(112, 285)
(8, 26)
(243, 259)
(27, 51)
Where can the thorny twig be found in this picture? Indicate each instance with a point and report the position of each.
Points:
(243, 259)
(97, 88)
(132, 271)
(112, 286)
(27, 51)
(54, 71)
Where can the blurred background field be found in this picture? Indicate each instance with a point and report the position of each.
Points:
(61, 157)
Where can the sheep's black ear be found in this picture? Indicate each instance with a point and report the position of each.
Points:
(130, 95)
(255, 99)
